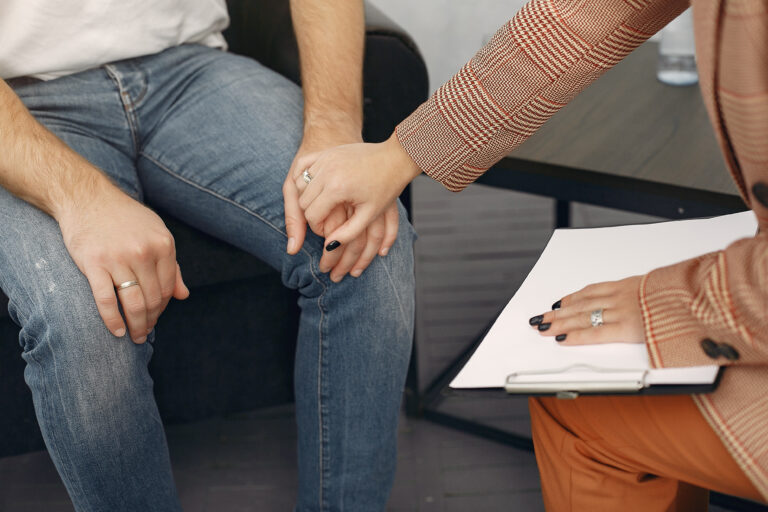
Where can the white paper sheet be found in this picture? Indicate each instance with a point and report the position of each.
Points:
(575, 258)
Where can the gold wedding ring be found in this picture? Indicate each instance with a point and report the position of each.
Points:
(127, 284)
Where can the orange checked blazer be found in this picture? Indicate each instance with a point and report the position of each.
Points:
(710, 309)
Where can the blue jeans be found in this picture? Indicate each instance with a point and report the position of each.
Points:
(209, 137)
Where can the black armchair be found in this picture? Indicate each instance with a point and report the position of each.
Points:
(230, 346)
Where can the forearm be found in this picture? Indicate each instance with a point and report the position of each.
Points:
(535, 64)
(37, 166)
(330, 36)
(719, 296)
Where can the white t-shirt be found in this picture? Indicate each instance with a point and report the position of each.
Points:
(52, 38)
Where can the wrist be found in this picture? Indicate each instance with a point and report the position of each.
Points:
(345, 121)
(406, 168)
(87, 193)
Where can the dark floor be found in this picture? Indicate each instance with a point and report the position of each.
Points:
(247, 463)
(474, 250)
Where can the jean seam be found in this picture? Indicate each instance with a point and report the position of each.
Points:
(220, 196)
(321, 416)
(130, 112)
(394, 288)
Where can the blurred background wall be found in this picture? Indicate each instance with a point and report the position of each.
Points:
(449, 32)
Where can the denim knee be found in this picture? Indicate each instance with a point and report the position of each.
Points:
(71, 356)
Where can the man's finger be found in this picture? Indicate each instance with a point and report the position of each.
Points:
(374, 236)
(310, 192)
(353, 228)
(352, 252)
(180, 290)
(302, 163)
(392, 224)
(146, 274)
(334, 220)
(166, 275)
(106, 301)
(132, 300)
(295, 223)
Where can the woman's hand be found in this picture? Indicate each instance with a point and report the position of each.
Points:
(365, 178)
(358, 253)
(570, 318)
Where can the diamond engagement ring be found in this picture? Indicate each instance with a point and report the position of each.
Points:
(596, 318)
(306, 176)
(127, 284)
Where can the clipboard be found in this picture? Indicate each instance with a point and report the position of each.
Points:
(514, 359)
(620, 382)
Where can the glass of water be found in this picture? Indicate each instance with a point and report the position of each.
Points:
(677, 56)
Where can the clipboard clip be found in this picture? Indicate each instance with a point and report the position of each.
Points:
(612, 380)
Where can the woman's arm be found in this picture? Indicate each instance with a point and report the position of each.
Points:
(534, 65)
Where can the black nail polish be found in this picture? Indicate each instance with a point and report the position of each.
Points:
(544, 326)
(333, 245)
(536, 320)
(560, 337)
(557, 305)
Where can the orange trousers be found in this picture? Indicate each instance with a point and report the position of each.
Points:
(630, 453)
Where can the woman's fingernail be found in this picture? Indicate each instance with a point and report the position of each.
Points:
(142, 339)
(120, 333)
(557, 304)
(333, 245)
(544, 326)
(291, 244)
(356, 273)
(384, 251)
(560, 337)
(337, 279)
(536, 320)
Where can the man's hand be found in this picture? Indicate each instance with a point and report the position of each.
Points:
(356, 255)
(110, 237)
(113, 240)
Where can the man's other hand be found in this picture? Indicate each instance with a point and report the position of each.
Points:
(115, 240)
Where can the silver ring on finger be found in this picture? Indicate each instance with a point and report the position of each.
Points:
(596, 318)
(306, 176)
(127, 284)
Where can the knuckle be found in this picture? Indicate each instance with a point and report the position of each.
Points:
(376, 236)
(336, 188)
(133, 306)
(105, 299)
(167, 244)
(154, 302)
(140, 251)
(167, 292)
(97, 257)
(312, 219)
